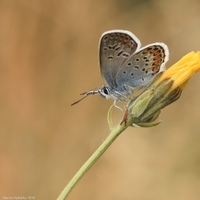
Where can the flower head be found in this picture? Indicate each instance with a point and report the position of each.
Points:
(165, 89)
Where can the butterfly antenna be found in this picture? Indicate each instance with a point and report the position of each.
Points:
(86, 95)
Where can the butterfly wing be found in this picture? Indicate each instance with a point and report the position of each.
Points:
(115, 49)
(141, 67)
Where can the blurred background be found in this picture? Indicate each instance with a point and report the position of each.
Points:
(48, 56)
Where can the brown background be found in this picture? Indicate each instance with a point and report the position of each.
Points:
(48, 55)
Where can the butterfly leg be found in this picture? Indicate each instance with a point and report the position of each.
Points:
(115, 102)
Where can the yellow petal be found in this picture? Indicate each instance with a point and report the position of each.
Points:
(181, 71)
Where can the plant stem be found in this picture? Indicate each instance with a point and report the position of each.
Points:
(88, 164)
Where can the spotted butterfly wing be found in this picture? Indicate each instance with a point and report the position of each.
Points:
(114, 50)
(141, 67)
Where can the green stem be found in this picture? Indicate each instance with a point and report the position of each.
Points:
(95, 156)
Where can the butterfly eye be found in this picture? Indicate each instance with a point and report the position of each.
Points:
(106, 91)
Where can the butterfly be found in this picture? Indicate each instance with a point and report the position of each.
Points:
(125, 66)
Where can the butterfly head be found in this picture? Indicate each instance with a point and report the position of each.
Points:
(104, 92)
